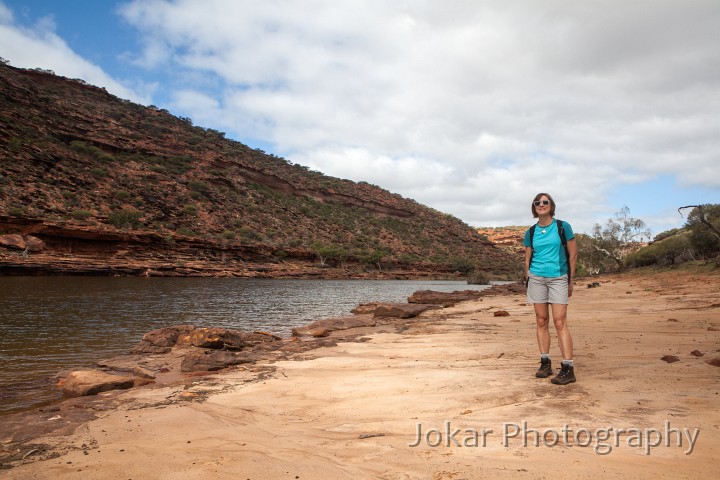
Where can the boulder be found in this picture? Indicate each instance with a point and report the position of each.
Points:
(401, 310)
(715, 361)
(501, 313)
(259, 338)
(322, 328)
(504, 289)
(670, 358)
(13, 241)
(161, 340)
(34, 244)
(143, 372)
(212, 360)
(366, 308)
(446, 299)
(91, 382)
(218, 338)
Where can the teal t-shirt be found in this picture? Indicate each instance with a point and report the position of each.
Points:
(548, 258)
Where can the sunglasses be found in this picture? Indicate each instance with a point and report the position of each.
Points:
(537, 203)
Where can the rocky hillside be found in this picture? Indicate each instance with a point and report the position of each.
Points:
(507, 238)
(90, 183)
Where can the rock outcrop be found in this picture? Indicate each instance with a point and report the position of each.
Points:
(445, 299)
(322, 328)
(187, 349)
(91, 382)
(212, 360)
(162, 340)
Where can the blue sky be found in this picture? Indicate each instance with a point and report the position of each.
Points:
(468, 107)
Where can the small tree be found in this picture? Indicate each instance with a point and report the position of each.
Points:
(590, 260)
(329, 253)
(372, 258)
(621, 235)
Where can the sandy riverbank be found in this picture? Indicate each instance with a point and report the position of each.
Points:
(352, 411)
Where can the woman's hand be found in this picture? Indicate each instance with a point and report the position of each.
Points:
(570, 288)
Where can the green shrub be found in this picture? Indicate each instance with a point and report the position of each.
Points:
(15, 144)
(81, 214)
(704, 223)
(228, 235)
(122, 195)
(478, 278)
(666, 234)
(98, 172)
(247, 233)
(125, 218)
(16, 211)
(666, 252)
(462, 265)
(190, 210)
(91, 150)
(198, 186)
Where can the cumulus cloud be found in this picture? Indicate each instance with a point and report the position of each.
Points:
(41, 47)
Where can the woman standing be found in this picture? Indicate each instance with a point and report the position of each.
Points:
(550, 259)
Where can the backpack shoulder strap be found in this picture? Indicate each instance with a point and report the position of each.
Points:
(563, 240)
(532, 235)
(561, 232)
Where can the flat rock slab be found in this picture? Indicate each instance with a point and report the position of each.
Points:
(91, 382)
(446, 299)
(322, 328)
(402, 310)
(212, 360)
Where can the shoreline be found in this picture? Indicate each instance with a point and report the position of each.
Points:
(83, 352)
(351, 409)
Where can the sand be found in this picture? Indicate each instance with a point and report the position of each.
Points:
(462, 377)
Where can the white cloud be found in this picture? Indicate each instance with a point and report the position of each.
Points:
(40, 47)
(6, 15)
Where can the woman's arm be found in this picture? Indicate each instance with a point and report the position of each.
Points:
(572, 253)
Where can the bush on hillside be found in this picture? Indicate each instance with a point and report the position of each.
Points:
(125, 218)
(704, 225)
(667, 252)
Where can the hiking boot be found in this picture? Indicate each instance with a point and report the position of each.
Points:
(545, 368)
(566, 375)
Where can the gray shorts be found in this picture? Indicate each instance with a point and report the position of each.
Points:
(548, 289)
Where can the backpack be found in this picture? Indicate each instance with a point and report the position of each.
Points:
(563, 240)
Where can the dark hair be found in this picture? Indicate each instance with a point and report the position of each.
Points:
(537, 197)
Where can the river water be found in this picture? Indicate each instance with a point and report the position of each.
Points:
(48, 324)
